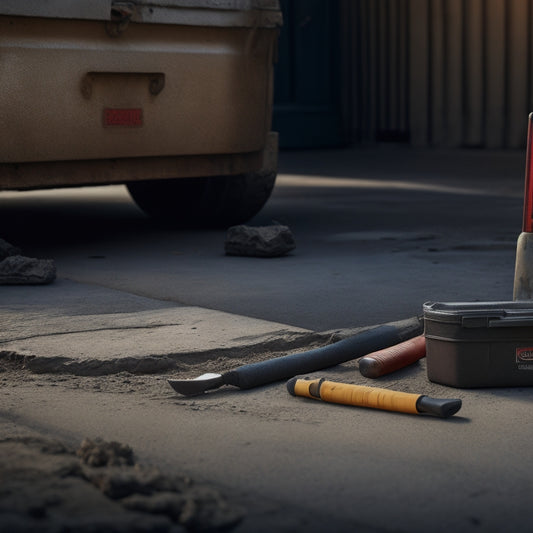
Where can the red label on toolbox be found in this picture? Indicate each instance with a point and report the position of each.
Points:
(129, 118)
(524, 355)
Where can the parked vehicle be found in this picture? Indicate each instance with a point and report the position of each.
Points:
(173, 98)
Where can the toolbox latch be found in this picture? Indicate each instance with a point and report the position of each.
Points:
(475, 322)
(512, 322)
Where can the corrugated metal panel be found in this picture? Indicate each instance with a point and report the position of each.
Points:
(455, 73)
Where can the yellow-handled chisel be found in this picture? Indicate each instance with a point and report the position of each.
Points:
(359, 395)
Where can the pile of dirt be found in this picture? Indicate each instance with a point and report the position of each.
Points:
(49, 487)
(16, 269)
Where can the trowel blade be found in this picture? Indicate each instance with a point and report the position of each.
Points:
(192, 387)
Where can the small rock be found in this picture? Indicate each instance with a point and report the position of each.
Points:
(262, 241)
(20, 270)
(7, 249)
(206, 510)
(168, 503)
(118, 481)
(100, 453)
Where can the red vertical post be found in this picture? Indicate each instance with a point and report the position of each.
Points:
(523, 275)
(527, 224)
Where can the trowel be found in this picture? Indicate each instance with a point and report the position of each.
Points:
(287, 366)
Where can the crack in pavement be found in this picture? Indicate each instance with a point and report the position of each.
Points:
(87, 330)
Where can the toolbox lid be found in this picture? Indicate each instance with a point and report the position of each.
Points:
(224, 13)
(481, 314)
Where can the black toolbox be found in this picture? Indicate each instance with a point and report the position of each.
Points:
(479, 344)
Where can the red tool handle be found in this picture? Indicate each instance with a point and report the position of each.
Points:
(390, 359)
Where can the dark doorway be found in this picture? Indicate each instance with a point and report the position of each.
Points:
(307, 110)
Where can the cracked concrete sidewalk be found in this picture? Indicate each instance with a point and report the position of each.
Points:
(81, 329)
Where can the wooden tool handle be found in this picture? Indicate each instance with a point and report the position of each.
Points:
(388, 400)
(359, 395)
(362, 396)
(390, 359)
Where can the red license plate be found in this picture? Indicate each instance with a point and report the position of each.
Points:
(129, 118)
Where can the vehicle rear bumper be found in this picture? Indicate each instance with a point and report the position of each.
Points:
(59, 78)
(50, 174)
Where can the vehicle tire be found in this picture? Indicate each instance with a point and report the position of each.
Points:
(206, 202)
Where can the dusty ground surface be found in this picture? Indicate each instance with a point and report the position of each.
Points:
(53, 350)
(55, 484)
(50, 485)
(376, 237)
(237, 445)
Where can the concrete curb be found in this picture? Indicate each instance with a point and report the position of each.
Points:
(51, 332)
